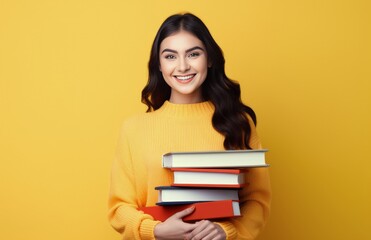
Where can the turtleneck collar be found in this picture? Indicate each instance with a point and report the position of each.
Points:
(192, 109)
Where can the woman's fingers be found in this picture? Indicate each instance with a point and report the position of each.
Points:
(183, 213)
(207, 230)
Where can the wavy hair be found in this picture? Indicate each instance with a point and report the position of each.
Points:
(230, 115)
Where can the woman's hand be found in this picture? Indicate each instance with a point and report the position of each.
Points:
(174, 228)
(206, 230)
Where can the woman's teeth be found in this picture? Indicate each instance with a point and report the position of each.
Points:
(184, 78)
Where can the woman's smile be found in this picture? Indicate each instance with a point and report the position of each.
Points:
(184, 78)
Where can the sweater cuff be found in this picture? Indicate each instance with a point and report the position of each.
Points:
(147, 229)
(229, 230)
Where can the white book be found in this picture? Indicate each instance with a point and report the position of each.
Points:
(209, 177)
(215, 159)
(181, 195)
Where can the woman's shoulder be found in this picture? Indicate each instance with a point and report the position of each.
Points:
(254, 140)
(135, 118)
(250, 120)
(139, 119)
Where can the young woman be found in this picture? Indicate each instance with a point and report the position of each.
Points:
(192, 106)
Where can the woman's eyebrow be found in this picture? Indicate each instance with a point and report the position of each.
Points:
(188, 50)
(195, 48)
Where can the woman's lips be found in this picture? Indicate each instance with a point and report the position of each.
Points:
(184, 78)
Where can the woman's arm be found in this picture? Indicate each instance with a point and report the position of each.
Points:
(123, 198)
(255, 200)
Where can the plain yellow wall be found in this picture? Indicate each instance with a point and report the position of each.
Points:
(71, 71)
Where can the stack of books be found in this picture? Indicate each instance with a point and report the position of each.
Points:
(210, 181)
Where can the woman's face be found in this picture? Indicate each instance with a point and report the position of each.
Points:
(183, 63)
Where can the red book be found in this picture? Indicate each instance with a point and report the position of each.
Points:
(203, 210)
(209, 177)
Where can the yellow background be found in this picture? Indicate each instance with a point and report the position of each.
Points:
(72, 70)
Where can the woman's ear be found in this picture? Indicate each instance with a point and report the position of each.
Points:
(209, 63)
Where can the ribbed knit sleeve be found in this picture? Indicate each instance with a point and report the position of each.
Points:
(255, 200)
(123, 198)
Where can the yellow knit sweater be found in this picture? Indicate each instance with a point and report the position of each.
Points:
(137, 169)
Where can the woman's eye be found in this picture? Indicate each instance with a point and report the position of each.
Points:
(169, 57)
(194, 54)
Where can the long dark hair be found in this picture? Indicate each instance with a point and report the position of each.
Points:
(229, 117)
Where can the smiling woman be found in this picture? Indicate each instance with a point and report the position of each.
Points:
(183, 63)
(192, 106)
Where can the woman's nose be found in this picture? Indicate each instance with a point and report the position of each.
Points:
(183, 65)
